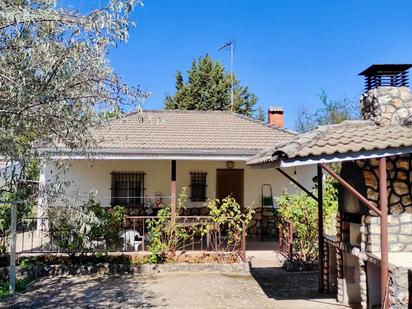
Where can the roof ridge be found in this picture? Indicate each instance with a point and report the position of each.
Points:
(268, 125)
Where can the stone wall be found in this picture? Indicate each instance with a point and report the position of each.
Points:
(399, 204)
(400, 281)
(387, 105)
(399, 233)
(269, 224)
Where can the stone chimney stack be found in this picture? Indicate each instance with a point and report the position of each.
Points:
(387, 99)
(275, 116)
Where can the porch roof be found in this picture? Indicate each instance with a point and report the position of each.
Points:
(350, 140)
(177, 134)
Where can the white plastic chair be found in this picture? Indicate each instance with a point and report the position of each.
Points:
(132, 238)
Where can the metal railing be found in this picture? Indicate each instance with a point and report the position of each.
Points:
(133, 236)
(286, 239)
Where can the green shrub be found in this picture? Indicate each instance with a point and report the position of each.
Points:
(227, 222)
(302, 212)
(76, 229)
(21, 285)
(224, 227)
(167, 234)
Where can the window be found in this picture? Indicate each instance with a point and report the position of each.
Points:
(127, 189)
(198, 186)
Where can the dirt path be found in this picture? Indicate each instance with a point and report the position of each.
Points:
(170, 290)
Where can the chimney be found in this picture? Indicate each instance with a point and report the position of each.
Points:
(387, 99)
(275, 116)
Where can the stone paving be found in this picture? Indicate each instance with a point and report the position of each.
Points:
(265, 289)
(267, 286)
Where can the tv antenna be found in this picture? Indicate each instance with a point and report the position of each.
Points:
(225, 46)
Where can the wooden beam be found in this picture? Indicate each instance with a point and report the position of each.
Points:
(383, 203)
(173, 190)
(320, 228)
(297, 184)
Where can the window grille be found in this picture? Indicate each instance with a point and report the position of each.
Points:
(198, 186)
(127, 189)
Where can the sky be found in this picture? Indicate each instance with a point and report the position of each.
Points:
(286, 51)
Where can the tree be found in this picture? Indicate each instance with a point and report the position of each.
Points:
(209, 88)
(331, 112)
(55, 82)
(55, 79)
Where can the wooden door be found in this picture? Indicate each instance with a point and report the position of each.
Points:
(230, 182)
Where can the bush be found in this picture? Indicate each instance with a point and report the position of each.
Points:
(167, 234)
(21, 285)
(302, 212)
(224, 227)
(227, 219)
(76, 229)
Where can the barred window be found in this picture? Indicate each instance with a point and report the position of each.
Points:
(127, 189)
(198, 186)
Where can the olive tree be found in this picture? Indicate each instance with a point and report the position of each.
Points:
(56, 82)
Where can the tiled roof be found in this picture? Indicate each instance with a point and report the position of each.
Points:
(197, 131)
(347, 137)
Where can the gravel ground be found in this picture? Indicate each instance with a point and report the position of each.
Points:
(266, 288)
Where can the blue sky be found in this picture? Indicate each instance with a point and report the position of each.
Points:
(286, 50)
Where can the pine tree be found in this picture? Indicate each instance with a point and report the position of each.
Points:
(208, 87)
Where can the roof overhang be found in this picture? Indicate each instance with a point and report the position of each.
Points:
(330, 158)
(150, 154)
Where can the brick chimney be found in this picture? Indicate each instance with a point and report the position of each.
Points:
(387, 99)
(275, 116)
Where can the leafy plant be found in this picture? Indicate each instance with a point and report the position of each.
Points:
(168, 233)
(21, 285)
(76, 229)
(301, 211)
(227, 223)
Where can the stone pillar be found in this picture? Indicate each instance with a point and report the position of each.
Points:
(363, 284)
(42, 200)
(338, 226)
(340, 282)
(326, 267)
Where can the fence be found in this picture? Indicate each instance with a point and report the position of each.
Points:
(286, 239)
(133, 236)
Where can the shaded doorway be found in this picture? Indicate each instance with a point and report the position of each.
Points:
(230, 182)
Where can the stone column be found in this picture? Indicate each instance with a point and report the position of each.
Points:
(363, 284)
(326, 283)
(340, 283)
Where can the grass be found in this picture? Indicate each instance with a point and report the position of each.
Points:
(21, 285)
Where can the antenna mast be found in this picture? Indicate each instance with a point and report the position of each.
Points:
(227, 44)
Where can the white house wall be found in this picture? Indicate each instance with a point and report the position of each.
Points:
(95, 176)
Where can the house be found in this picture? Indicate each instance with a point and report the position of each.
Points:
(368, 263)
(147, 158)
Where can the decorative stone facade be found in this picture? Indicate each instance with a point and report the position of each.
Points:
(400, 281)
(363, 285)
(399, 204)
(399, 233)
(387, 105)
(264, 221)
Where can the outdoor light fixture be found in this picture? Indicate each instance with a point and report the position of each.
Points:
(230, 164)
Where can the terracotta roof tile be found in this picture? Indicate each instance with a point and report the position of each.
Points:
(189, 130)
(349, 136)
